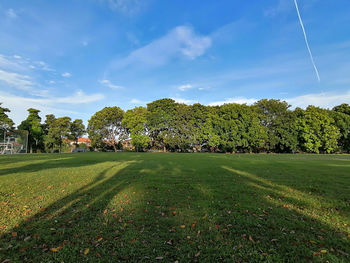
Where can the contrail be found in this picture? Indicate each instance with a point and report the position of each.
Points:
(307, 41)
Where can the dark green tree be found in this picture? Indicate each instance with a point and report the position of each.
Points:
(343, 108)
(160, 120)
(35, 130)
(59, 130)
(6, 124)
(317, 130)
(182, 132)
(238, 128)
(77, 129)
(280, 124)
(135, 121)
(105, 128)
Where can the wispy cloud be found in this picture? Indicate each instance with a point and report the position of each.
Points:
(128, 7)
(184, 101)
(137, 101)
(66, 75)
(182, 41)
(110, 85)
(11, 13)
(185, 87)
(47, 105)
(282, 6)
(324, 99)
(239, 100)
(16, 80)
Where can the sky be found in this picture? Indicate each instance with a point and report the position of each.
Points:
(74, 57)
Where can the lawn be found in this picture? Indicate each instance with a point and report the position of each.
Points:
(148, 207)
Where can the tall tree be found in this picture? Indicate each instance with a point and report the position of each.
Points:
(342, 122)
(77, 129)
(317, 130)
(49, 141)
(105, 127)
(343, 108)
(280, 123)
(59, 130)
(35, 130)
(181, 134)
(238, 128)
(5, 121)
(160, 120)
(135, 121)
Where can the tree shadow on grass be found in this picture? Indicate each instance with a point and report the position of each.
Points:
(38, 163)
(170, 208)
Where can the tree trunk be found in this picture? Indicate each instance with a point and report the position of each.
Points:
(115, 148)
(164, 148)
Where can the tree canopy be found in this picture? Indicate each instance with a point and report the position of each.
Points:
(269, 125)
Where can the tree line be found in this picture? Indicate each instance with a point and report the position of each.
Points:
(269, 125)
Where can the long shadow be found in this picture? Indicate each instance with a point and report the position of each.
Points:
(37, 163)
(189, 208)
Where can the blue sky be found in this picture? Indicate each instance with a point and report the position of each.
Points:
(72, 58)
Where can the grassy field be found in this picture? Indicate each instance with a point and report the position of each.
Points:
(144, 207)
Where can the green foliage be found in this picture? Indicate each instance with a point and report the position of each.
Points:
(59, 131)
(343, 108)
(317, 130)
(280, 124)
(77, 129)
(5, 121)
(35, 130)
(238, 128)
(135, 121)
(105, 128)
(160, 119)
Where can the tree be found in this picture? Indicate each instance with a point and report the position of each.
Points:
(342, 122)
(59, 129)
(135, 121)
(77, 129)
(181, 134)
(317, 130)
(105, 127)
(160, 120)
(280, 124)
(238, 128)
(5, 122)
(35, 130)
(343, 108)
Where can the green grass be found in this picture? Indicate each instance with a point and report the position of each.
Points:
(165, 207)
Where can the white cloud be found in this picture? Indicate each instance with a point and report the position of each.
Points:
(16, 80)
(110, 85)
(184, 101)
(66, 75)
(181, 41)
(185, 87)
(238, 100)
(17, 56)
(324, 100)
(136, 101)
(44, 66)
(11, 13)
(128, 7)
(282, 6)
(49, 105)
(78, 98)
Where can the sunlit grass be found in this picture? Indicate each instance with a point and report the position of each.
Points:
(110, 207)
